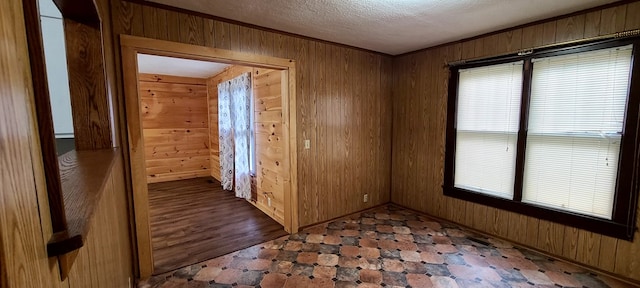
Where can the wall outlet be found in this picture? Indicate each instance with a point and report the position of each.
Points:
(269, 201)
(365, 198)
(307, 144)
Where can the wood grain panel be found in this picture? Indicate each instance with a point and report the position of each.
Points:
(87, 88)
(592, 25)
(23, 233)
(24, 222)
(175, 122)
(270, 142)
(612, 19)
(416, 100)
(105, 260)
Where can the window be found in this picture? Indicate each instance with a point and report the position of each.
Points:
(550, 134)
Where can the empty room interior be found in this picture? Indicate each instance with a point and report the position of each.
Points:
(193, 216)
(166, 143)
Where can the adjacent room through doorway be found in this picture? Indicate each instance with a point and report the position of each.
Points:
(199, 206)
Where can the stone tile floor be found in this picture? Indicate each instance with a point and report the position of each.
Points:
(388, 246)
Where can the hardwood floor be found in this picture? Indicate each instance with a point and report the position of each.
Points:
(195, 220)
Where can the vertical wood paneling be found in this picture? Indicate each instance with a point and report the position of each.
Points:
(270, 157)
(612, 19)
(632, 20)
(592, 24)
(221, 35)
(175, 122)
(88, 91)
(385, 103)
(173, 27)
(571, 28)
(23, 234)
(415, 103)
(105, 259)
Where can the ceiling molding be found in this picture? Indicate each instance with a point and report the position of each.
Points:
(254, 26)
(541, 21)
(249, 25)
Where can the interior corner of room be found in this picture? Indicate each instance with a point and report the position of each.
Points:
(128, 102)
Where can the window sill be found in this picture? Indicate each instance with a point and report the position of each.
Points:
(84, 175)
(589, 223)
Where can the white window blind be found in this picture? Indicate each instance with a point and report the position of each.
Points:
(576, 116)
(487, 123)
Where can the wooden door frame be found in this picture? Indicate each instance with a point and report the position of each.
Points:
(130, 47)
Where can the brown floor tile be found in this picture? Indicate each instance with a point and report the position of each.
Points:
(315, 238)
(228, 276)
(332, 240)
(324, 272)
(431, 257)
(350, 233)
(297, 281)
(293, 246)
(395, 248)
(350, 251)
(349, 262)
(392, 265)
(273, 280)
(327, 259)
(412, 256)
(369, 253)
(562, 279)
(283, 267)
(419, 280)
(536, 277)
(322, 283)
(370, 243)
(307, 257)
(207, 274)
(371, 276)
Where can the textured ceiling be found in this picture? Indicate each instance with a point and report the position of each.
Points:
(151, 64)
(388, 26)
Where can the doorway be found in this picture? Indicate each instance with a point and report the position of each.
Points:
(274, 118)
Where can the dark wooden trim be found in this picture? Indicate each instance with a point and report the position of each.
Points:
(44, 115)
(248, 25)
(525, 98)
(82, 11)
(450, 141)
(84, 177)
(593, 224)
(623, 223)
(625, 203)
(601, 7)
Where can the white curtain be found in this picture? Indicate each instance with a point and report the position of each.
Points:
(234, 100)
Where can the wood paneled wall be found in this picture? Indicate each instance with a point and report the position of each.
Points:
(23, 199)
(105, 259)
(174, 113)
(270, 150)
(343, 104)
(420, 93)
(25, 223)
(212, 86)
